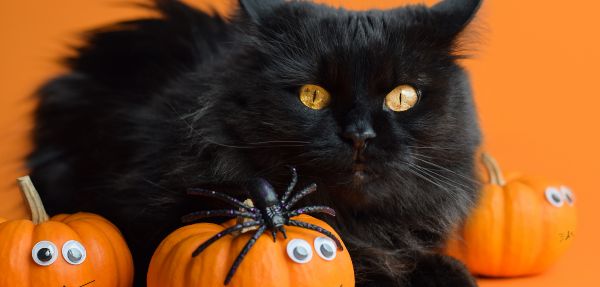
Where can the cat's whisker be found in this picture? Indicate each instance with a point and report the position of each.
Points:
(437, 179)
(455, 191)
(433, 148)
(251, 145)
(267, 142)
(446, 169)
(420, 175)
(439, 176)
(414, 154)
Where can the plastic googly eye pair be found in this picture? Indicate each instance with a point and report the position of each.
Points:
(300, 251)
(44, 253)
(558, 196)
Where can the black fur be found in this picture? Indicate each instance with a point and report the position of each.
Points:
(154, 106)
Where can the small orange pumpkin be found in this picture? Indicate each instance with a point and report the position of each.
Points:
(66, 250)
(266, 265)
(521, 226)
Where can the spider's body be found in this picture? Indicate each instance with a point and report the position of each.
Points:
(265, 199)
(268, 212)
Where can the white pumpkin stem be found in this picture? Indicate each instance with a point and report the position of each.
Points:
(493, 169)
(38, 213)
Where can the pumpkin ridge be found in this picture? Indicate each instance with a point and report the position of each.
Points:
(499, 226)
(179, 245)
(177, 252)
(201, 237)
(507, 208)
(124, 263)
(67, 218)
(118, 255)
(23, 228)
(159, 258)
(111, 234)
(180, 241)
(236, 246)
(92, 227)
(188, 270)
(30, 226)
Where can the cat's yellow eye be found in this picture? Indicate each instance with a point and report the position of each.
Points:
(314, 97)
(402, 98)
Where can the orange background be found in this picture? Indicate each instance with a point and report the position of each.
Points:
(535, 78)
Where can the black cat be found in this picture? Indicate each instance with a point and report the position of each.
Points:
(152, 107)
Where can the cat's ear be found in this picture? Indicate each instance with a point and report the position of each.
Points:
(256, 8)
(455, 15)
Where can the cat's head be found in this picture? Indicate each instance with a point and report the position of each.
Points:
(390, 116)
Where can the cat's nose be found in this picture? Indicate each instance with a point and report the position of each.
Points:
(359, 135)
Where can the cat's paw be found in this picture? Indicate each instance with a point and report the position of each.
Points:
(440, 271)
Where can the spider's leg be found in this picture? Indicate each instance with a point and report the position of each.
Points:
(194, 216)
(243, 253)
(291, 186)
(282, 230)
(221, 196)
(313, 209)
(274, 234)
(225, 232)
(306, 191)
(319, 229)
(279, 229)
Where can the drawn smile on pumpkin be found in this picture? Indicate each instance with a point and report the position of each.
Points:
(86, 284)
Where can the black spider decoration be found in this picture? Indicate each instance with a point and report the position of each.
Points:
(269, 212)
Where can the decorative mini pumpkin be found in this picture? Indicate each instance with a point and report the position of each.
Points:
(297, 261)
(210, 255)
(521, 226)
(82, 249)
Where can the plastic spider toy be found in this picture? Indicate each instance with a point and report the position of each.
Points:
(268, 212)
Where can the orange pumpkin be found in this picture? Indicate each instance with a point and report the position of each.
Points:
(521, 226)
(65, 250)
(266, 265)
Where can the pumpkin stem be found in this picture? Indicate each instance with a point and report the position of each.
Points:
(38, 213)
(493, 169)
(241, 220)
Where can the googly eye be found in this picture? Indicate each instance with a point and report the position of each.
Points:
(325, 248)
(73, 252)
(554, 196)
(44, 253)
(299, 251)
(567, 195)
